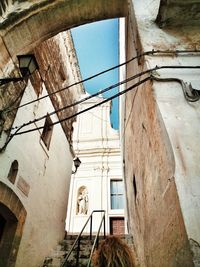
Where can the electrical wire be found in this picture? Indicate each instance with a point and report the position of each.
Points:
(104, 101)
(106, 89)
(89, 108)
(74, 115)
(84, 99)
(151, 52)
(100, 92)
(77, 83)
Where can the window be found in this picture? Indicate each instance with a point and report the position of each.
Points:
(47, 131)
(117, 194)
(13, 171)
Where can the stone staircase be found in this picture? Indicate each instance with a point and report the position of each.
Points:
(63, 248)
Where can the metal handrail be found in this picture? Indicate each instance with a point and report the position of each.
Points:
(79, 236)
(96, 240)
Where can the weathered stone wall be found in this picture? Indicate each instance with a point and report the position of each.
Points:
(160, 174)
(58, 68)
(178, 13)
(25, 24)
(10, 97)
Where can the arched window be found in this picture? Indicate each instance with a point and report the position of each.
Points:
(13, 171)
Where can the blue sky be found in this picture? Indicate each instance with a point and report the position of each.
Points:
(97, 49)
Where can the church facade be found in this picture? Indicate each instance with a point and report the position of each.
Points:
(98, 183)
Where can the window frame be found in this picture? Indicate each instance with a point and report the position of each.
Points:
(13, 171)
(116, 194)
(47, 132)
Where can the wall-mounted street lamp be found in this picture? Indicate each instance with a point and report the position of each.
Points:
(27, 65)
(77, 163)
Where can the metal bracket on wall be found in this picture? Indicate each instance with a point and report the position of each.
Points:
(190, 94)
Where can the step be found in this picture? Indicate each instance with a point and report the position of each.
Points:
(61, 251)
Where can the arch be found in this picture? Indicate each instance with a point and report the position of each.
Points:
(12, 219)
(21, 31)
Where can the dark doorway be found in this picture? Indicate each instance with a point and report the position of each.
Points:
(117, 226)
(8, 226)
(2, 226)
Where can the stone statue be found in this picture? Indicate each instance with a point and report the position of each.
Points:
(82, 201)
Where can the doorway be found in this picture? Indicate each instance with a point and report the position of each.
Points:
(12, 219)
(8, 226)
(2, 226)
(117, 226)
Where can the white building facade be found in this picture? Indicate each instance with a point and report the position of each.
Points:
(98, 182)
(36, 166)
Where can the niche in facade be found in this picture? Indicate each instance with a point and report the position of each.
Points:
(13, 171)
(82, 201)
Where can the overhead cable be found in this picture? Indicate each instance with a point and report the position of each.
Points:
(74, 115)
(151, 52)
(89, 108)
(110, 98)
(102, 91)
(83, 100)
(104, 101)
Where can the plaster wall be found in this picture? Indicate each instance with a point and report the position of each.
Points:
(47, 172)
(161, 145)
(43, 178)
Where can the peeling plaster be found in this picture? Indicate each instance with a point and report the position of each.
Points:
(195, 247)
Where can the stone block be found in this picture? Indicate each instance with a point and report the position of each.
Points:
(4, 56)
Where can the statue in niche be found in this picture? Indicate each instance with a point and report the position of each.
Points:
(82, 201)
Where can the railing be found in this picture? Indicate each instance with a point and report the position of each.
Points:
(78, 239)
(96, 240)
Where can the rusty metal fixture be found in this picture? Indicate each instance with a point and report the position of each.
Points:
(190, 94)
(27, 65)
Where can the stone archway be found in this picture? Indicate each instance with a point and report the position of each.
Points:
(35, 22)
(12, 219)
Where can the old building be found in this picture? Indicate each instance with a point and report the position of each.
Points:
(36, 166)
(161, 115)
(98, 183)
(161, 130)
